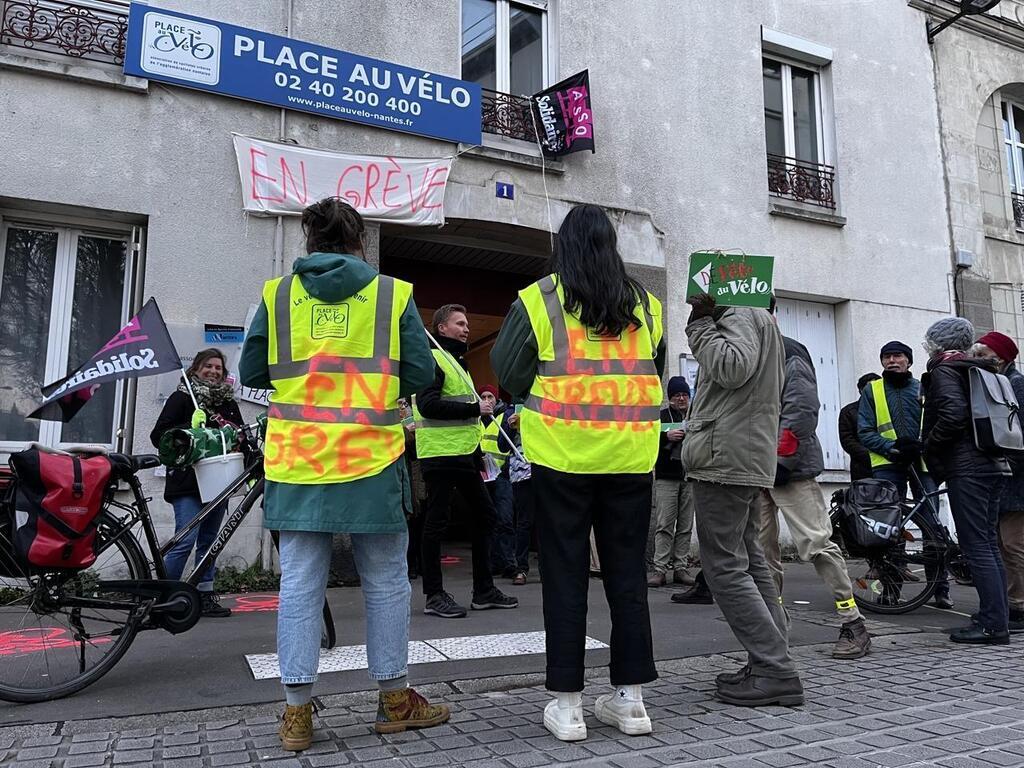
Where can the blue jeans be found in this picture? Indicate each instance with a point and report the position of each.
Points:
(974, 502)
(186, 509)
(305, 563)
(503, 537)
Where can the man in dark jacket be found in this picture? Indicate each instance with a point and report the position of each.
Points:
(889, 426)
(860, 458)
(444, 474)
(975, 478)
(673, 519)
(797, 495)
(1002, 350)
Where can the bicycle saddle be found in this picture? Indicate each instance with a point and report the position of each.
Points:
(126, 464)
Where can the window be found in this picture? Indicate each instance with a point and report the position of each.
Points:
(796, 114)
(504, 45)
(1013, 140)
(64, 293)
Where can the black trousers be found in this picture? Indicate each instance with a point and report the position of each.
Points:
(440, 485)
(618, 507)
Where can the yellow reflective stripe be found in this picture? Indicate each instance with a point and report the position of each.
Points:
(330, 416)
(883, 421)
(593, 411)
(845, 605)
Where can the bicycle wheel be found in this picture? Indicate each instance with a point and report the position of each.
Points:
(60, 632)
(902, 577)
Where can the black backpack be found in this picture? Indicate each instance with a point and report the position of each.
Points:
(869, 516)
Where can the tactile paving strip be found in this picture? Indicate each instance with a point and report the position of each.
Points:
(265, 666)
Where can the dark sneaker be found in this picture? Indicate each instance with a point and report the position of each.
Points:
(442, 604)
(296, 732)
(758, 691)
(975, 635)
(733, 678)
(943, 601)
(854, 641)
(656, 579)
(210, 606)
(698, 594)
(519, 579)
(398, 711)
(1016, 621)
(494, 598)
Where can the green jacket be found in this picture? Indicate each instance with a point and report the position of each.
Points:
(376, 504)
(732, 429)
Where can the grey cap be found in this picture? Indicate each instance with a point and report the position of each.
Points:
(949, 334)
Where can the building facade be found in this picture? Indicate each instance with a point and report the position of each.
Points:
(805, 131)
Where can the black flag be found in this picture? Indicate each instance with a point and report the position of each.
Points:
(565, 121)
(141, 348)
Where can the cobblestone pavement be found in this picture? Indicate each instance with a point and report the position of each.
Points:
(915, 701)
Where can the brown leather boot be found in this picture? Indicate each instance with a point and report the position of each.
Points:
(854, 641)
(297, 727)
(399, 710)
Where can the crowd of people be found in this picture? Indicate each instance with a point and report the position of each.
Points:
(374, 425)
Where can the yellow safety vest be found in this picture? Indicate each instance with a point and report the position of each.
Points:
(333, 415)
(595, 404)
(489, 442)
(442, 437)
(883, 421)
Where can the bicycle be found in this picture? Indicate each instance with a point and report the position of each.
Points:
(61, 631)
(903, 576)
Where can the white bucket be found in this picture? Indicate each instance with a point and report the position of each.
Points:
(217, 472)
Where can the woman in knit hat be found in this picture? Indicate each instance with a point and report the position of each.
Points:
(975, 479)
(1002, 350)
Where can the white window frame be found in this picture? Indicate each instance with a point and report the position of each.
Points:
(1017, 172)
(503, 46)
(788, 126)
(68, 232)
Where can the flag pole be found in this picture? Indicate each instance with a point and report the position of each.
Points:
(188, 386)
(465, 380)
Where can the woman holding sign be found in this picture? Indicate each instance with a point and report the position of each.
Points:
(584, 347)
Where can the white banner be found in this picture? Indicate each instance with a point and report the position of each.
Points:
(284, 179)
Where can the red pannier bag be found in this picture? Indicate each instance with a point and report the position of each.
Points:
(58, 500)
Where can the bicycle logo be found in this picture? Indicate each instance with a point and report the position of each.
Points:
(186, 42)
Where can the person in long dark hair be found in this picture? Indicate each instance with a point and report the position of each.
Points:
(584, 347)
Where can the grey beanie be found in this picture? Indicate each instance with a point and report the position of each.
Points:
(949, 334)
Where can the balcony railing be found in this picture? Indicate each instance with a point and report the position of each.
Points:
(1017, 200)
(506, 115)
(799, 180)
(67, 29)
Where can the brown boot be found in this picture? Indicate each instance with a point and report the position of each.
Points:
(399, 710)
(854, 641)
(297, 727)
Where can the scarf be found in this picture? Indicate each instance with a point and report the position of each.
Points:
(209, 395)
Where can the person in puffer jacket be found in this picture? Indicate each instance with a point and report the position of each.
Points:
(974, 477)
(797, 495)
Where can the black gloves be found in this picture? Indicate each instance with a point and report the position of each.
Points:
(781, 475)
(701, 305)
(907, 449)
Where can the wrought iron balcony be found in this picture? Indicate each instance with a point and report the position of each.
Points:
(799, 180)
(1017, 200)
(68, 29)
(506, 115)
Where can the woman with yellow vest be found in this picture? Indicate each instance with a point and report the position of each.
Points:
(338, 344)
(584, 346)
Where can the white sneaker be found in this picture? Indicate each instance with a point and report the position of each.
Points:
(565, 723)
(628, 715)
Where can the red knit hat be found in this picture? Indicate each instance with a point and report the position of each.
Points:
(490, 388)
(1001, 344)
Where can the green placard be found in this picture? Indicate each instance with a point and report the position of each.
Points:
(734, 279)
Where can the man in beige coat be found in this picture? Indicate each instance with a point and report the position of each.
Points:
(730, 455)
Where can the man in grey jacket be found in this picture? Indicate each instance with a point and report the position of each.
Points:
(797, 495)
(729, 455)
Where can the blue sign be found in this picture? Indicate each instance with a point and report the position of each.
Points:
(505, 190)
(247, 64)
